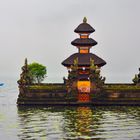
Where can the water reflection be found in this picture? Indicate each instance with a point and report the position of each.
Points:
(84, 120)
(38, 123)
(96, 123)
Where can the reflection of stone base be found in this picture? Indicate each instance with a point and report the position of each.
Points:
(83, 97)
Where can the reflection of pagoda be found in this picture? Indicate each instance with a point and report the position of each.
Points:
(84, 43)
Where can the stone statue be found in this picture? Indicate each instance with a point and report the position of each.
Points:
(24, 77)
(136, 79)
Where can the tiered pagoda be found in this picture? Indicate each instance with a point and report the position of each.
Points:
(84, 85)
(84, 57)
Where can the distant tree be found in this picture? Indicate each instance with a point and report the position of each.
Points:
(37, 72)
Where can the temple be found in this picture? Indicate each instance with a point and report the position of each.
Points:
(84, 56)
(84, 84)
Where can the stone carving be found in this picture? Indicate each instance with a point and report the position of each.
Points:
(95, 78)
(136, 79)
(71, 82)
(24, 78)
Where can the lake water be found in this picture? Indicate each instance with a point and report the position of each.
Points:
(63, 123)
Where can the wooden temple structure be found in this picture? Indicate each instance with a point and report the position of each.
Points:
(84, 85)
(83, 57)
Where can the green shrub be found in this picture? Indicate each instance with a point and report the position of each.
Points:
(37, 72)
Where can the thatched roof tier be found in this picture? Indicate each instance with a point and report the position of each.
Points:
(84, 42)
(84, 60)
(84, 28)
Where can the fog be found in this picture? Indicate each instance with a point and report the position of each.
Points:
(42, 31)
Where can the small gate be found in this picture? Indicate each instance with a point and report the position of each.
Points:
(83, 91)
(83, 97)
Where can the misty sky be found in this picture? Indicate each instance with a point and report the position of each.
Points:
(42, 31)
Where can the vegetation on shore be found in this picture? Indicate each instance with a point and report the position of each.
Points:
(48, 87)
(54, 87)
(122, 87)
(37, 72)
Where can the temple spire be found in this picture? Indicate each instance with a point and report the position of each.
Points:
(26, 62)
(84, 20)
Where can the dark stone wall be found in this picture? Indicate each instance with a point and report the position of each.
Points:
(45, 97)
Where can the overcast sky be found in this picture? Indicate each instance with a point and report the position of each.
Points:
(42, 31)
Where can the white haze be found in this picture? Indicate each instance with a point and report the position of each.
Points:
(42, 31)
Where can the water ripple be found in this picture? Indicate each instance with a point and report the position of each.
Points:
(63, 123)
